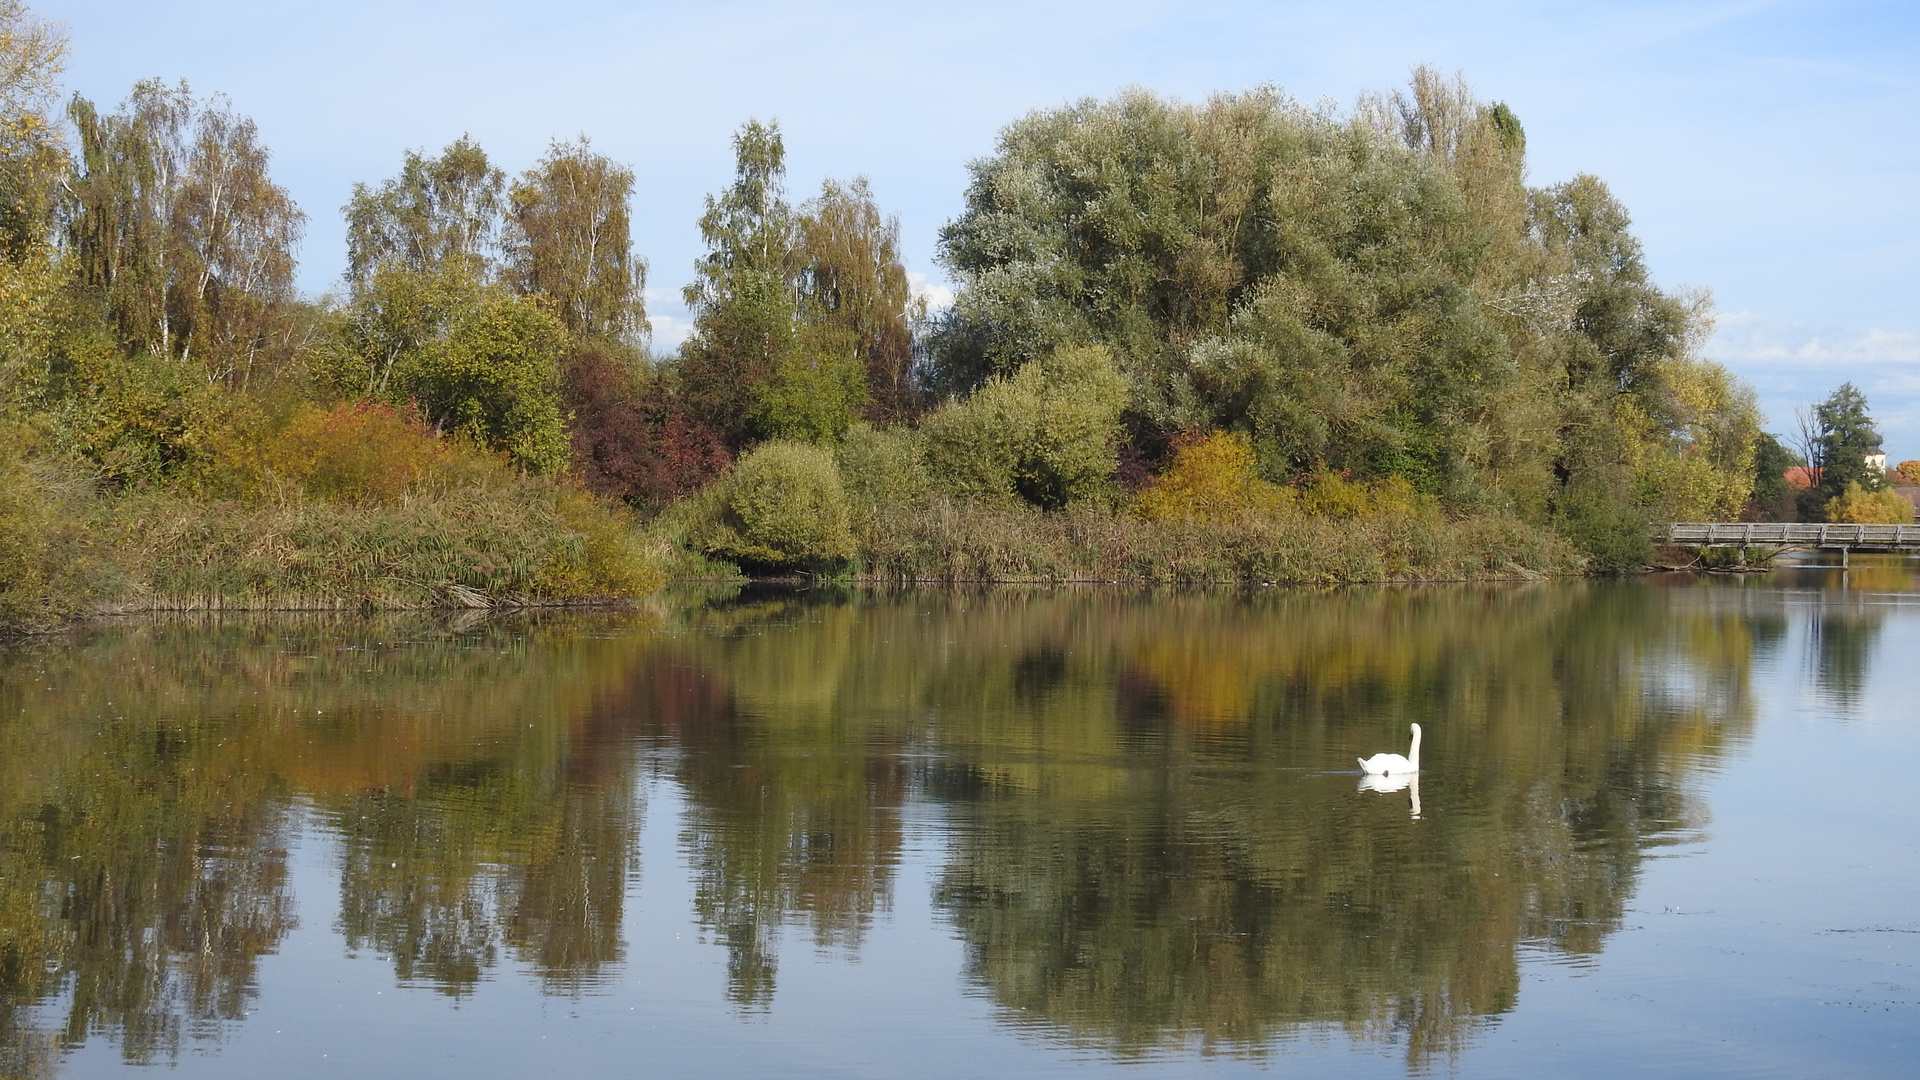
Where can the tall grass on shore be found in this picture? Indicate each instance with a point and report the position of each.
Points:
(955, 540)
(52, 566)
(528, 544)
(464, 530)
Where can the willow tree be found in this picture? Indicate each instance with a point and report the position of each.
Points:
(1378, 294)
(568, 239)
(852, 280)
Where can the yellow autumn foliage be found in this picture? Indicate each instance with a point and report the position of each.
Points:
(1211, 478)
(1857, 506)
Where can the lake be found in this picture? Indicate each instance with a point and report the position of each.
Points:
(1662, 825)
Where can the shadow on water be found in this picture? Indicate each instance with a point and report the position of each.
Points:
(1153, 838)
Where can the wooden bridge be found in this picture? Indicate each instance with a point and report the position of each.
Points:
(1823, 537)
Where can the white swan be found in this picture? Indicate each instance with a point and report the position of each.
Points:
(1408, 782)
(1388, 764)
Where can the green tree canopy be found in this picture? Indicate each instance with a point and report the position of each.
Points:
(1377, 293)
(795, 315)
(1840, 434)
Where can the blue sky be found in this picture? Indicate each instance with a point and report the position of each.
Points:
(1768, 151)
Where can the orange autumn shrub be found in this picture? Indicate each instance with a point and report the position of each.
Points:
(362, 452)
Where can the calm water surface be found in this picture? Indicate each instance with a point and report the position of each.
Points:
(1665, 825)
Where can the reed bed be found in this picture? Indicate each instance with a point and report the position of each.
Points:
(953, 540)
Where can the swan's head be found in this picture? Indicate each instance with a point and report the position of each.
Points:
(1416, 729)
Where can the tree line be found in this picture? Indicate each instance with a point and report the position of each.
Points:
(1318, 313)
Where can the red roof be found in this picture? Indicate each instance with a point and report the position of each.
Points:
(1801, 476)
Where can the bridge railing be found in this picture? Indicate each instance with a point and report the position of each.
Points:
(1790, 534)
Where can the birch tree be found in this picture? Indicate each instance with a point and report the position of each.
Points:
(568, 239)
(440, 214)
(178, 231)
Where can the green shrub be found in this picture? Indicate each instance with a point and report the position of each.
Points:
(496, 378)
(1047, 434)
(477, 359)
(884, 472)
(136, 419)
(783, 505)
(1610, 530)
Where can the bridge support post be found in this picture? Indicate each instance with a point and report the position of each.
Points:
(1844, 553)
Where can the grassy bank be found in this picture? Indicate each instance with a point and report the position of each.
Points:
(470, 532)
(492, 538)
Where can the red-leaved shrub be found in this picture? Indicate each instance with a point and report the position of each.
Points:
(635, 443)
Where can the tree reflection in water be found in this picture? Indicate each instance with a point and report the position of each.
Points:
(1152, 833)
(1154, 837)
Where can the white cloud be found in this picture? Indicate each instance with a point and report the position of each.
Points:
(1791, 364)
(672, 322)
(939, 297)
(670, 329)
(1748, 339)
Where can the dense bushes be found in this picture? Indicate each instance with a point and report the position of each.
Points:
(1207, 519)
(1211, 478)
(360, 452)
(1048, 433)
(783, 505)
(359, 505)
(632, 439)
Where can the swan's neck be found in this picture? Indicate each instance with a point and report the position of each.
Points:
(1413, 755)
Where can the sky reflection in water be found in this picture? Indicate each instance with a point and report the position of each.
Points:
(1004, 831)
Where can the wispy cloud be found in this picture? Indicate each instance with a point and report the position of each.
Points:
(1791, 364)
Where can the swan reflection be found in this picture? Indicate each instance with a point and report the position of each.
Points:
(1385, 782)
